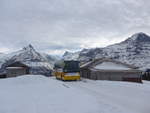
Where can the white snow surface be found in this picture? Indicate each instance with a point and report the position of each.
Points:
(39, 94)
(111, 66)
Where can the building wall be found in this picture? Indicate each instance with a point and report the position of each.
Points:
(16, 72)
(85, 73)
(133, 76)
(98, 75)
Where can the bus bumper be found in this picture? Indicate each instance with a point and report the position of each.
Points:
(71, 77)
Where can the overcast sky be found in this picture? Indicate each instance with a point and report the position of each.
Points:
(54, 26)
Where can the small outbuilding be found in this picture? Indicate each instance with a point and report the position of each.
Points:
(16, 69)
(108, 69)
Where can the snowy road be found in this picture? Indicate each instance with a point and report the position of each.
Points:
(38, 94)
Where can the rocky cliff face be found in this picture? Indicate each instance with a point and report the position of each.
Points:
(135, 50)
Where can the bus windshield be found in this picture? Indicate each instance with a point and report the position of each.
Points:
(71, 66)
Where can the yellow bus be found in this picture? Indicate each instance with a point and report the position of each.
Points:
(67, 70)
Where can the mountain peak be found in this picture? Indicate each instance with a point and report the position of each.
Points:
(138, 38)
(29, 47)
(142, 37)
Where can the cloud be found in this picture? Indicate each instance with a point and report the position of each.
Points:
(55, 26)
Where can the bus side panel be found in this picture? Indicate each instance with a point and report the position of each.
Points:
(68, 77)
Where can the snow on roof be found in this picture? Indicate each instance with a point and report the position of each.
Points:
(14, 67)
(111, 66)
(107, 64)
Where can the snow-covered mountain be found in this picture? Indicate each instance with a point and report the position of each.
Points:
(28, 54)
(135, 50)
(71, 56)
(39, 63)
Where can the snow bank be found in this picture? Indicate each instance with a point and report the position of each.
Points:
(39, 94)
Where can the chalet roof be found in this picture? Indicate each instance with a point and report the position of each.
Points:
(93, 63)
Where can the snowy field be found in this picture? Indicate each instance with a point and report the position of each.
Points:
(38, 94)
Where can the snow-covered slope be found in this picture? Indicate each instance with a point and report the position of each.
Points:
(1, 57)
(50, 58)
(135, 50)
(39, 94)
